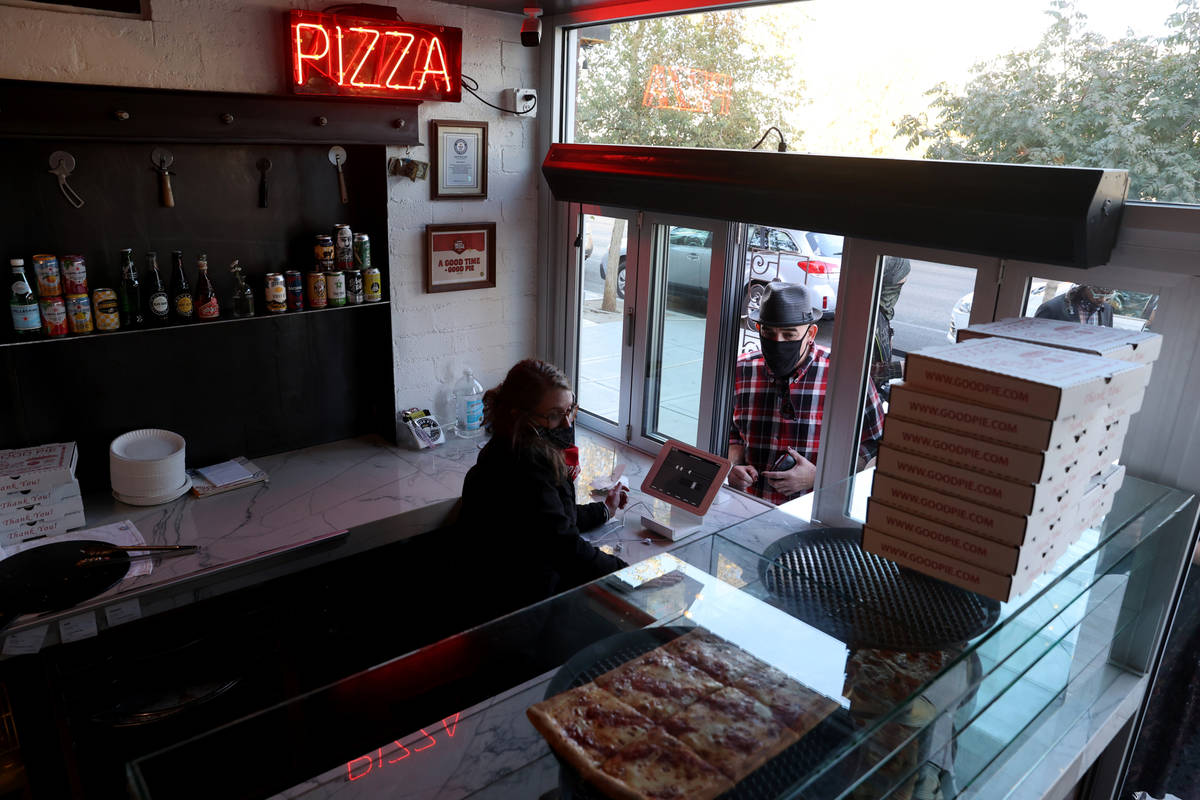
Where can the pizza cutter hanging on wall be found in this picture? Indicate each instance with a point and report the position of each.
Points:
(337, 157)
(62, 165)
(162, 158)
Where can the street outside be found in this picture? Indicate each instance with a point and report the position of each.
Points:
(922, 319)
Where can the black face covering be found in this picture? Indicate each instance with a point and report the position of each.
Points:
(783, 357)
(561, 437)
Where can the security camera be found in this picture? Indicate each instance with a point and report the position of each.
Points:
(531, 28)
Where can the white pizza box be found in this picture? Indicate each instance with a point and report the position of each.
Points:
(1017, 430)
(33, 530)
(991, 523)
(1023, 378)
(1026, 466)
(1004, 559)
(42, 495)
(980, 487)
(1098, 500)
(46, 457)
(1141, 347)
(42, 512)
(956, 571)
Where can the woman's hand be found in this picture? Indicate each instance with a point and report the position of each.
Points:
(616, 499)
(798, 479)
(742, 476)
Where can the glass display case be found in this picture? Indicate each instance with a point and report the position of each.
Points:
(931, 690)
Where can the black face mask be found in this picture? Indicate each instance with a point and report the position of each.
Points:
(561, 437)
(783, 357)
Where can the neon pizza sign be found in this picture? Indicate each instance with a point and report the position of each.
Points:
(688, 89)
(362, 57)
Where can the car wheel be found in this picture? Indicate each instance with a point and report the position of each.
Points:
(754, 296)
(621, 280)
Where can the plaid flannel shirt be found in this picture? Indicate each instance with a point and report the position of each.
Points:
(766, 434)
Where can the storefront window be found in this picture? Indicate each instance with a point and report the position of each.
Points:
(1034, 82)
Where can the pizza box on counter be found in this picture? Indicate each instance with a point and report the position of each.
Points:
(1016, 430)
(1141, 347)
(43, 495)
(35, 529)
(1028, 379)
(42, 512)
(37, 467)
(992, 523)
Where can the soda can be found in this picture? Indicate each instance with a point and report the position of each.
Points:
(316, 290)
(343, 247)
(372, 285)
(323, 250)
(294, 283)
(49, 282)
(74, 275)
(362, 251)
(79, 313)
(335, 286)
(276, 293)
(354, 287)
(54, 316)
(105, 310)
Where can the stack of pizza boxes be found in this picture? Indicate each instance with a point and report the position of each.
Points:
(999, 451)
(39, 495)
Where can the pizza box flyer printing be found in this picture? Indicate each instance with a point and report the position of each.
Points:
(16, 518)
(991, 523)
(1023, 466)
(33, 530)
(1017, 430)
(36, 459)
(952, 570)
(1023, 378)
(43, 495)
(1006, 495)
(1141, 347)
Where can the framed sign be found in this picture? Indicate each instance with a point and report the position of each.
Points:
(460, 256)
(459, 155)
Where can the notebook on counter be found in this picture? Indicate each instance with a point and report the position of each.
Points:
(226, 476)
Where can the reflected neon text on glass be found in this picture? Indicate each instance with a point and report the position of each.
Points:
(357, 768)
(688, 89)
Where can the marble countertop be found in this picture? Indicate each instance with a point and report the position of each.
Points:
(322, 503)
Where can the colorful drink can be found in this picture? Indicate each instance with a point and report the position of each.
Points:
(105, 310)
(354, 287)
(323, 249)
(372, 285)
(74, 274)
(54, 316)
(276, 293)
(294, 283)
(79, 313)
(335, 286)
(362, 251)
(317, 297)
(49, 282)
(343, 247)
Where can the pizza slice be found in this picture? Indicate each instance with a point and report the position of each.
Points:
(658, 767)
(794, 705)
(731, 731)
(721, 659)
(658, 684)
(587, 725)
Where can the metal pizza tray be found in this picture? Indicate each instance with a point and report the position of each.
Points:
(769, 781)
(824, 577)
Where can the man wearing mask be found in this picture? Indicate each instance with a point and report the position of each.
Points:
(1091, 305)
(779, 398)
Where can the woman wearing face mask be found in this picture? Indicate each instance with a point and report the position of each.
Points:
(518, 503)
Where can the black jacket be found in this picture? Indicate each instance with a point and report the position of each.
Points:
(523, 527)
(1063, 308)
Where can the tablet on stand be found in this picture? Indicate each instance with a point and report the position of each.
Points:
(688, 479)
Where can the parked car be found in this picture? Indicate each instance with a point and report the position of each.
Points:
(774, 254)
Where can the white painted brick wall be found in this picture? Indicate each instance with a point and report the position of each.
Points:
(234, 45)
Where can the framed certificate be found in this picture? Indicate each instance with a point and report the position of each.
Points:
(460, 256)
(459, 154)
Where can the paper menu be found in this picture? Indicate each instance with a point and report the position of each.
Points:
(225, 473)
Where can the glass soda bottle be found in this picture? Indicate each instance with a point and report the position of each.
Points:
(181, 293)
(158, 306)
(206, 305)
(27, 321)
(242, 299)
(130, 296)
(468, 406)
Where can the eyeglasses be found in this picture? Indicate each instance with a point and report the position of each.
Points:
(556, 416)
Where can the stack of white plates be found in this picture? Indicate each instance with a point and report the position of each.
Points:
(146, 467)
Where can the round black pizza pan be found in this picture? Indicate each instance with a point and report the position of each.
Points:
(49, 577)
